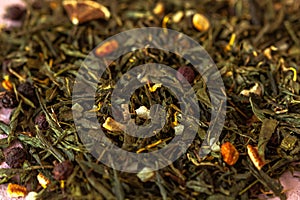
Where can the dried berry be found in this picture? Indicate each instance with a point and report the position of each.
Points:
(62, 170)
(9, 100)
(185, 72)
(15, 157)
(27, 90)
(41, 121)
(229, 153)
(15, 12)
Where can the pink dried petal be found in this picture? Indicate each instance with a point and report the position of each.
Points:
(5, 114)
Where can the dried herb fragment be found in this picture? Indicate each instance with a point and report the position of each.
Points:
(15, 157)
(62, 170)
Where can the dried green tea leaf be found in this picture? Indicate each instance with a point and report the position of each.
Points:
(267, 129)
(257, 111)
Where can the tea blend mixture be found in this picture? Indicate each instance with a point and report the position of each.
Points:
(255, 46)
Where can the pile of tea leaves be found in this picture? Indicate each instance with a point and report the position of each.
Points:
(256, 47)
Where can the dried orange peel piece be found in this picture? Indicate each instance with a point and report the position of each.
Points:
(80, 11)
(229, 153)
(256, 159)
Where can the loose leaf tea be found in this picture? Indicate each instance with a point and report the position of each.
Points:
(255, 46)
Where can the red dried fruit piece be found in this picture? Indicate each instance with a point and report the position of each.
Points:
(229, 153)
(187, 73)
(62, 170)
(15, 157)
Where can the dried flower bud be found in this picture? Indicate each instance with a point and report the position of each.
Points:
(15, 157)
(9, 100)
(185, 72)
(41, 121)
(15, 190)
(229, 153)
(62, 170)
(15, 12)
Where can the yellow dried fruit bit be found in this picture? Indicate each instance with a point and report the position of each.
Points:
(15, 190)
(159, 8)
(43, 181)
(112, 125)
(200, 22)
(229, 153)
(155, 87)
(231, 42)
(255, 157)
